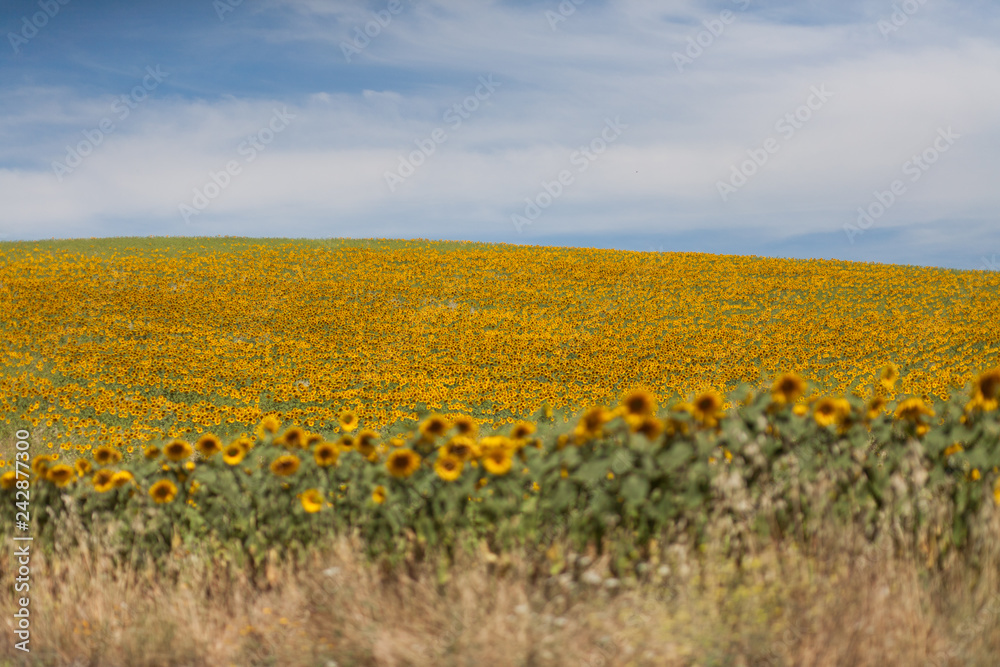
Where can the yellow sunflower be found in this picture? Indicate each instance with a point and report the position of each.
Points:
(209, 445)
(348, 420)
(177, 450)
(522, 430)
(312, 500)
(268, 425)
(912, 409)
(466, 426)
(402, 462)
(293, 438)
(498, 461)
(8, 480)
(448, 468)
(286, 465)
(82, 467)
(326, 454)
(888, 376)
(434, 426)
(121, 478)
(649, 426)
(151, 452)
(163, 491)
(106, 455)
(461, 447)
(707, 408)
(787, 389)
(61, 474)
(103, 480)
(639, 403)
(379, 494)
(233, 454)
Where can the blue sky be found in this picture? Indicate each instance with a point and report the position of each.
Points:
(864, 129)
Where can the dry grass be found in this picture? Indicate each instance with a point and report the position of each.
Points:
(842, 604)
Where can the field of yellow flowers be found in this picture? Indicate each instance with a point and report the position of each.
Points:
(125, 342)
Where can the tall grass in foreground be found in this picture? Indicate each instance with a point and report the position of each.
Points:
(839, 601)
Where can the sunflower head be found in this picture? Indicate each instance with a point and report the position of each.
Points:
(461, 447)
(151, 452)
(121, 478)
(787, 389)
(402, 463)
(8, 480)
(106, 455)
(888, 376)
(286, 465)
(82, 467)
(177, 450)
(434, 426)
(649, 426)
(103, 480)
(875, 408)
(346, 442)
(466, 426)
(312, 500)
(498, 461)
(326, 454)
(366, 442)
(912, 409)
(707, 407)
(639, 403)
(268, 425)
(826, 411)
(293, 438)
(233, 454)
(448, 468)
(208, 445)
(379, 494)
(60, 474)
(163, 491)
(312, 440)
(522, 430)
(348, 420)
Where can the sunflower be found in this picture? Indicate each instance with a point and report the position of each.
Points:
(102, 480)
(106, 455)
(61, 474)
(379, 494)
(953, 449)
(348, 420)
(825, 412)
(911, 410)
(522, 430)
(177, 450)
(233, 454)
(346, 442)
(402, 463)
(498, 461)
(461, 447)
(208, 445)
(268, 425)
(40, 464)
(448, 468)
(326, 454)
(286, 465)
(312, 500)
(151, 452)
(366, 442)
(244, 443)
(434, 426)
(82, 467)
(8, 480)
(121, 478)
(466, 426)
(591, 423)
(985, 392)
(163, 491)
(787, 388)
(875, 408)
(707, 407)
(888, 376)
(312, 440)
(649, 426)
(293, 437)
(639, 403)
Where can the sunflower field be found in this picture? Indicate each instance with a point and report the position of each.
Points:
(259, 395)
